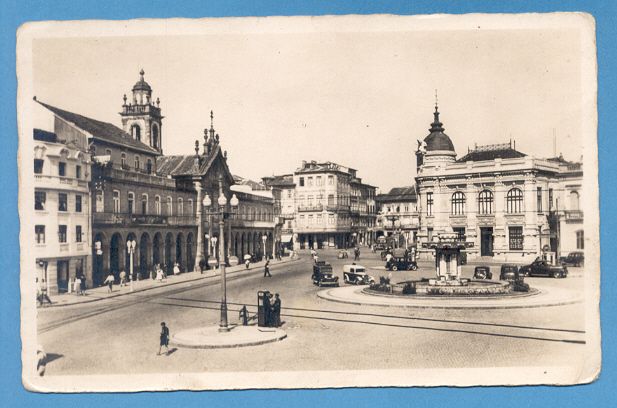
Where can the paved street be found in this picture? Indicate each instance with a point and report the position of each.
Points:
(120, 334)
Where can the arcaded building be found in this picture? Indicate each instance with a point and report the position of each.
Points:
(138, 194)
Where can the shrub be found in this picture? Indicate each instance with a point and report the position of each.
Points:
(409, 288)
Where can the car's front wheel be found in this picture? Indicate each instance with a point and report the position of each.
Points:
(557, 275)
(394, 268)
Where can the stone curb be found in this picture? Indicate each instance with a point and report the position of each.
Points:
(326, 296)
(169, 283)
(277, 335)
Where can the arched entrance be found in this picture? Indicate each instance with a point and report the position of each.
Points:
(169, 239)
(116, 253)
(144, 265)
(190, 256)
(180, 251)
(157, 243)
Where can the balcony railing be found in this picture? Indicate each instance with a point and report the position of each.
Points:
(316, 207)
(133, 175)
(337, 207)
(143, 219)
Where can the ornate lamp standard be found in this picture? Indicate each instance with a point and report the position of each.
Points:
(264, 238)
(98, 250)
(130, 247)
(222, 213)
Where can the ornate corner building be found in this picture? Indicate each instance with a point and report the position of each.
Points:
(509, 205)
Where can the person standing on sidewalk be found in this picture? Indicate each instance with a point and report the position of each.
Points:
(109, 281)
(267, 269)
(276, 311)
(164, 339)
(82, 285)
(122, 278)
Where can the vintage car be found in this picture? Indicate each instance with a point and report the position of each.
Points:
(511, 273)
(403, 263)
(576, 258)
(541, 267)
(322, 274)
(342, 254)
(482, 272)
(356, 274)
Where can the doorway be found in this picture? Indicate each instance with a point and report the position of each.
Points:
(63, 276)
(486, 241)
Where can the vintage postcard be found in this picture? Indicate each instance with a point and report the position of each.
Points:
(308, 202)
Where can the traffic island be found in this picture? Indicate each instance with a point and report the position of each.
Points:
(238, 336)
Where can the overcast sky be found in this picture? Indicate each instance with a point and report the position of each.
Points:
(360, 99)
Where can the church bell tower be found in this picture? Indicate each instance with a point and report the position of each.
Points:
(141, 116)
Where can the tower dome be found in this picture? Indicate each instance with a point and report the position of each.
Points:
(439, 146)
(142, 85)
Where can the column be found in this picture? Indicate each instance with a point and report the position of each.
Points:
(199, 256)
(500, 229)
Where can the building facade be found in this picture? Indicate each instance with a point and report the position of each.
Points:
(398, 214)
(62, 226)
(325, 205)
(139, 194)
(510, 206)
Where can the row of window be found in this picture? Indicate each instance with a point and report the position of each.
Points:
(318, 181)
(131, 204)
(319, 199)
(246, 213)
(514, 201)
(39, 234)
(137, 165)
(40, 201)
(39, 164)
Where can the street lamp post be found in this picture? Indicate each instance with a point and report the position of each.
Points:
(264, 238)
(130, 246)
(221, 212)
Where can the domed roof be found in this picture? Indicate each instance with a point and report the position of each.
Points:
(437, 139)
(142, 85)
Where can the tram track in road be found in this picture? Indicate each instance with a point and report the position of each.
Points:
(548, 334)
(131, 299)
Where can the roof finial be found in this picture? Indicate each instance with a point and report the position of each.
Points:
(436, 100)
(141, 73)
(211, 119)
(196, 147)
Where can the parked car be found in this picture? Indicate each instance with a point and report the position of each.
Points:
(511, 273)
(403, 263)
(356, 274)
(576, 258)
(342, 254)
(322, 274)
(482, 272)
(540, 267)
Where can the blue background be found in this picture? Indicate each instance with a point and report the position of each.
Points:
(13, 13)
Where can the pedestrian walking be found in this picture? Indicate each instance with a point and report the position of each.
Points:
(41, 295)
(176, 269)
(109, 281)
(164, 339)
(122, 278)
(159, 275)
(356, 254)
(276, 310)
(267, 269)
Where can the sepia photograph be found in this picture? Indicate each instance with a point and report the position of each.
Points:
(308, 202)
